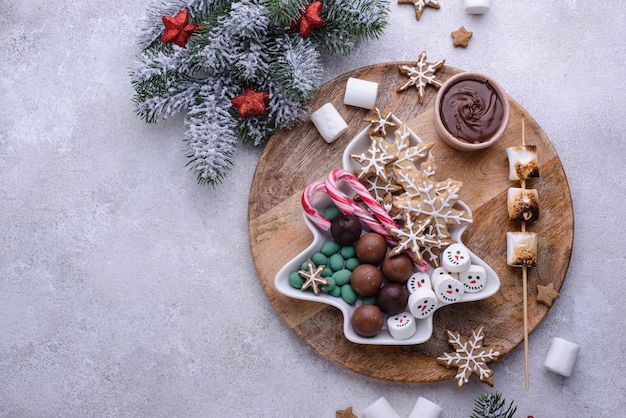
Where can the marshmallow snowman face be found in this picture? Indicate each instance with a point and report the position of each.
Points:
(422, 303)
(417, 281)
(475, 279)
(455, 258)
(401, 326)
(447, 288)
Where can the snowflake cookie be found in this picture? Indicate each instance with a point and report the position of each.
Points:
(420, 5)
(470, 357)
(421, 75)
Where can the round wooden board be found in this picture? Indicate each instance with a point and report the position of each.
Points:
(277, 232)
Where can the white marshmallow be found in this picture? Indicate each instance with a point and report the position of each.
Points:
(422, 303)
(456, 258)
(360, 93)
(329, 122)
(425, 409)
(417, 281)
(380, 409)
(447, 288)
(477, 7)
(401, 326)
(521, 249)
(474, 279)
(561, 357)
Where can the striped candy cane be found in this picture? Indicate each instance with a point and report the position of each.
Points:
(346, 204)
(307, 205)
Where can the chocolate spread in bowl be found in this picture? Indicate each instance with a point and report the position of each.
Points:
(471, 110)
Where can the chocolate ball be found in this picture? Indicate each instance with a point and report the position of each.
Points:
(366, 280)
(367, 320)
(371, 248)
(398, 268)
(345, 229)
(392, 298)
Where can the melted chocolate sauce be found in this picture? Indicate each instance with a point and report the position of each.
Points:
(471, 110)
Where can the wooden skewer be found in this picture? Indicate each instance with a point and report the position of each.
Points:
(525, 282)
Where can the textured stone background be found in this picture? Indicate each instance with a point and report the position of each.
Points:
(128, 290)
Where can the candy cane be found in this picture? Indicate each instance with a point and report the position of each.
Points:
(307, 205)
(346, 204)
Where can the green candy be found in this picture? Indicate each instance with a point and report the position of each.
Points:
(342, 277)
(330, 248)
(327, 272)
(349, 251)
(352, 263)
(348, 294)
(336, 291)
(296, 280)
(330, 286)
(305, 265)
(331, 213)
(319, 259)
(336, 262)
(370, 300)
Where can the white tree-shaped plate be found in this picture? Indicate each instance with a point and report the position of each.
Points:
(424, 326)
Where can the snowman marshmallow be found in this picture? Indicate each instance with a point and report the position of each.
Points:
(474, 279)
(422, 303)
(447, 288)
(417, 281)
(456, 258)
(401, 326)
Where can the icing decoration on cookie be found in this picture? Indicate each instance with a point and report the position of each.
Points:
(474, 279)
(415, 235)
(422, 303)
(461, 37)
(374, 161)
(421, 75)
(447, 288)
(547, 294)
(417, 281)
(470, 357)
(456, 258)
(380, 189)
(402, 149)
(420, 5)
(401, 326)
(379, 123)
(313, 277)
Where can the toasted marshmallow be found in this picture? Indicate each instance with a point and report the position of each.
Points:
(521, 249)
(523, 204)
(523, 163)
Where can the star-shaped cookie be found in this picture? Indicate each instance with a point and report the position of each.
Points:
(313, 277)
(547, 294)
(345, 413)
(420, 5)
(421, 75)
(379, 123)
(461, 37)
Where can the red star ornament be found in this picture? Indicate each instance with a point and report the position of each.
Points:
(310, 18)
(178, 29)
(251, 102)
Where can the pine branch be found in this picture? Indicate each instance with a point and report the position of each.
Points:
(492, 406)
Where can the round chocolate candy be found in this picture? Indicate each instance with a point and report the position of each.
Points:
(366, 280)
(392, 298)
(371, 248)
(345, 229)
(398, 268)
(367, 320)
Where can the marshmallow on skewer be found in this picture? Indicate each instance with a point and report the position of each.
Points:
(523, 163)
(521, 250)
(523, 204)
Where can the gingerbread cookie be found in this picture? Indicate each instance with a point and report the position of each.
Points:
(461, 37)
(420, 5)
(470, 357)
(421, 75)
(379, 123)
(313, 277)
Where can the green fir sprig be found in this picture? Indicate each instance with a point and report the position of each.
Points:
(492, 405)
(243, 43)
